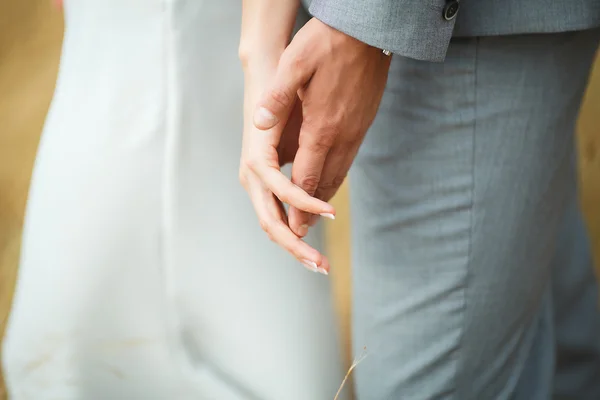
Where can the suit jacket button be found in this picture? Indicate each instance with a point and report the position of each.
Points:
(450, 10)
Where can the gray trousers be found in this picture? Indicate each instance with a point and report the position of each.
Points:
(472, 273)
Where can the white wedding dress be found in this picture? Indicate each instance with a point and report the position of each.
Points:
(144, 272)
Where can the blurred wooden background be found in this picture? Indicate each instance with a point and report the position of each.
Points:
(30, 39)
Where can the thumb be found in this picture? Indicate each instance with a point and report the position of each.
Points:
(277, 103)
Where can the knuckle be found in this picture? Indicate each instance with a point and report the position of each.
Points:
(325, 194)
(243, 174)
(265, 226)
(295, 61)
(309, 183)
(242, 178)
(281, 97)
(252, 163)
(320, 146)
(331, 125)
(327, 187)
(324, 186)
(321, 136)
(298, 62)
(325, 124)
(338, 181)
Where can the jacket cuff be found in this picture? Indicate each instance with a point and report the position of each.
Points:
(412, 28)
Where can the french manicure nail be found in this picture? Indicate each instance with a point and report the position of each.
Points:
(327, 215)
(265, 117)
(323, 271)
(311, 265)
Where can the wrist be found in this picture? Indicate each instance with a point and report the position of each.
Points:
(267, 26)
(259, 64)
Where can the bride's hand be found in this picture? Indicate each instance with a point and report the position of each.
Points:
(262, 154)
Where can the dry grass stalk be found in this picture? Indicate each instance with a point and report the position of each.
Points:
(356, 361)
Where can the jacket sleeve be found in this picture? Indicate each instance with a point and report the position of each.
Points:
(411, 28)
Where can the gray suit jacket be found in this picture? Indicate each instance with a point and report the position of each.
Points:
(417, 29)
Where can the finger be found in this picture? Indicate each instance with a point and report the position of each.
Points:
(335, 170)
(276, 208)
(325, 266)
(293, 72)
(287, 192)
(270, 216)
(287, 147)
(306, 173)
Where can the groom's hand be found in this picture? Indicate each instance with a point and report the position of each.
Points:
(340, 81)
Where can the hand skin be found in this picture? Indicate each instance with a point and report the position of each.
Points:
(340, 81)
(258, 151)
(266, 28)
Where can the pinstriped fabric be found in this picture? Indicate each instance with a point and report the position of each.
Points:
(458, 196)
(416, 29)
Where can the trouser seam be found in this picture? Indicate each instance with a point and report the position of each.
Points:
(459, 387)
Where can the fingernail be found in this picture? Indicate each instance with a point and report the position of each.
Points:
(311, 265)
(303, 230)
(322, 271)
(327, 215)
(265, 118)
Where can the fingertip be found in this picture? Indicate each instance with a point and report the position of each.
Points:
(302, 230)
(324, 267)
(326, 210)
(328, 215)
(313, 261)
(298, 221)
